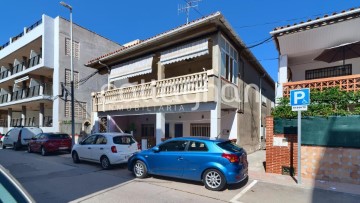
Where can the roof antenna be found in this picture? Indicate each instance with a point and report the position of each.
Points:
(186, 8)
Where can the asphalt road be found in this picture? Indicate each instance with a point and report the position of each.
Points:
(55, 178)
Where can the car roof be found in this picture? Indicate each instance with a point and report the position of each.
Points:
(114, 134)
(201, 138)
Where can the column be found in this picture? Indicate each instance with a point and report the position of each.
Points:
(282, 75)
(160, 71)
(160, 127)
(9, 117)
(95, 123)
(215, 121)
(41, 115)
(42, 85)
(23, 115)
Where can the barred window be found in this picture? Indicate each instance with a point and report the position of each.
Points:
(328, 72)
(76, 48)
(200, 129)
(80, 109)
(68, 78)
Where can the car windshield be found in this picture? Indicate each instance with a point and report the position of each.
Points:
(123, 140)
(58, 136)
(230, 146)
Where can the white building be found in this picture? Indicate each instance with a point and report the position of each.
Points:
(35, 62)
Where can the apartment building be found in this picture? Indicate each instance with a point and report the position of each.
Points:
(198, 79)
(34, 64)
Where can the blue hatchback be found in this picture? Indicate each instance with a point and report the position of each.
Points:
(216, 162)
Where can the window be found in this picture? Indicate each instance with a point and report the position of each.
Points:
(58, 136)
(174, 146)
(128, 140)
(68, 78)
(200, 129)
(230, 146)
(328, 72)
(101, 140)
(229, 61)
(89, 140)
(147, 130)
(80, 109)
(197, 146)
(76, 48)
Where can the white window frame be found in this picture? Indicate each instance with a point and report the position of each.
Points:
(229, 57)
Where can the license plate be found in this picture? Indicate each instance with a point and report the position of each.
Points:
(63, 147)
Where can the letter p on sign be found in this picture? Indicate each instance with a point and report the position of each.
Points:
(300, 97)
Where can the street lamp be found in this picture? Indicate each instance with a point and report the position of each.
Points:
(71, 73)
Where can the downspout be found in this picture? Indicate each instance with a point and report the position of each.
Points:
(109, 69)
(260, 108)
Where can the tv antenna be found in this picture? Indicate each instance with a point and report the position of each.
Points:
(186, 8)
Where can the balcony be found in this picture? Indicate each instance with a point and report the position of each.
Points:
(30, 92)
(21, 67)
(190, 88)
(347, 83)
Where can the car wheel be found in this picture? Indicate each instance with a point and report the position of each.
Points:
(140, 169)
(29, 149)
(43, 151)
(3, 146)
(75, 157)
(16, 146)
(214, 180)
(105, 163)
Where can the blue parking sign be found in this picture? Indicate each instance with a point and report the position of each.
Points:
(300, 97)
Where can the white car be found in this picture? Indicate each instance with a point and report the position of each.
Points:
(105, 148)
(18, 137)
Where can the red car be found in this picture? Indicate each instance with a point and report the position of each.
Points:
(50, 142)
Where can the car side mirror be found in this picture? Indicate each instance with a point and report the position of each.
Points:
(156, 149)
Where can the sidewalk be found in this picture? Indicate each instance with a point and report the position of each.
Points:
(257, 171)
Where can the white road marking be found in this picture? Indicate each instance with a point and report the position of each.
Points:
(235, 199)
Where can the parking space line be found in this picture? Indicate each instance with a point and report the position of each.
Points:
(235, 199)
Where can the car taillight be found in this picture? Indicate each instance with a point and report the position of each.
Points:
(113, 149)
(139, 146)
(233, 158)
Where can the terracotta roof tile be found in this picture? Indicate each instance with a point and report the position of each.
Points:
(317, 18)
(142, 41)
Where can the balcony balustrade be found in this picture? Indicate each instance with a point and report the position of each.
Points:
(182, 85)
(347, 83)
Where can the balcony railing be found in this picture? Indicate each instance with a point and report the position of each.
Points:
(21, 67)
(347, 83)
(38, 90)
(187, 84)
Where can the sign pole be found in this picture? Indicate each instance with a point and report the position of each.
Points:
(299, 148)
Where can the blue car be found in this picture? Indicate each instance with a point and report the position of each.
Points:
(215, 162)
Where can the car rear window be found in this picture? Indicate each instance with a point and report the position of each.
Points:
(230, 146)
(58, 136)
(123, 140)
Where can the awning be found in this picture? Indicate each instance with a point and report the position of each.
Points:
(187, 51)
(132, 68)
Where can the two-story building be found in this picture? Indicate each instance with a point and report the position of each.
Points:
(320, 53)
(198, 79)
(34, 63)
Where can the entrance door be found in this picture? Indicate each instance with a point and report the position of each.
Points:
(178, 130)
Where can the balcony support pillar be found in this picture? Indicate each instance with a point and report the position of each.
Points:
(96, 123)
(160, 127)
(282, 75)
(9, 117)
(42, 85)
(23, 115)
(160, 71)
(41, 115)
(215, 121)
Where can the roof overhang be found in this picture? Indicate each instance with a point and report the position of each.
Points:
(202, 27)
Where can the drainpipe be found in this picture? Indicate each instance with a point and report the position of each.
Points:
(109, 69)
(260, 108)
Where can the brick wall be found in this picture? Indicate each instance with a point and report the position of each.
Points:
(323, 163)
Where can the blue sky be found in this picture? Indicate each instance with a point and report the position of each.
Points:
(123, 21)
